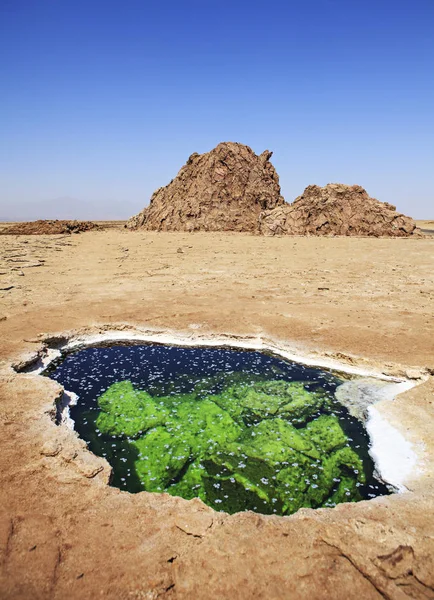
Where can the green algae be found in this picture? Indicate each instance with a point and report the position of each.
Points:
(265, 399)
(161, 456)
(128, 412)
(268, 446)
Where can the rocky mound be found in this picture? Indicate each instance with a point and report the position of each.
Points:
(222, 190)
(336, 209)
(45, 227)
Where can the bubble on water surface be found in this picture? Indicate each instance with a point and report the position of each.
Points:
(241, 430)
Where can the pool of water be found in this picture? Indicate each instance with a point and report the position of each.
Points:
(241, 430)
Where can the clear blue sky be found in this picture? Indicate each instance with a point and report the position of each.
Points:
(103, 101)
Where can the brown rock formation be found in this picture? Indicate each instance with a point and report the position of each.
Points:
(222, 190)
(336, 209)
(43, 227)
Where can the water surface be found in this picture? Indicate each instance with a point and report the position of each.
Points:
(242, 430)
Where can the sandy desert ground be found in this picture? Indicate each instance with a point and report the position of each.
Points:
(64, 533)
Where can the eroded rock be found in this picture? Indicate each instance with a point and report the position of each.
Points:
(48, 227)
(222, 190)
(336, 209)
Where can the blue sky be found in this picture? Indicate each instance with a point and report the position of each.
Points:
(103, 101)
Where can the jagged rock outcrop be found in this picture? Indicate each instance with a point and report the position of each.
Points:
(48, 227)
(336, 209)
(222, 190)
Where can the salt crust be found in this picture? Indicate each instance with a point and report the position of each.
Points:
(394, 457)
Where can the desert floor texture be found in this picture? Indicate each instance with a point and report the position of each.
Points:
(64, 533)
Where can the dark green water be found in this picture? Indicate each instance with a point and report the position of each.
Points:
(241, 430)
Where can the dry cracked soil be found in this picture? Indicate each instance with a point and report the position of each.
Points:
(65, 533)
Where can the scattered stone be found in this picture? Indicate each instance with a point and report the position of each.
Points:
(222, 190)
(336, 209)
(47, 227)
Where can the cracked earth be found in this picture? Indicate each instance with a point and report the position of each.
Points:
(65, 533)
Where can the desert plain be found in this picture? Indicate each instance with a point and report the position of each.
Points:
(65, 533)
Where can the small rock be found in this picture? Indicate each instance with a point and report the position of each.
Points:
(69, 454)
(88, 465)
(412, 374)
(195, 524)
(51, 448)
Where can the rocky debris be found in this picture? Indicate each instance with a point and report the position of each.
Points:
(222, 190)
(46, 227)
(336, 209)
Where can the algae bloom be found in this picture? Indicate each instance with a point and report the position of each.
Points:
(237, 450)
(240, 430)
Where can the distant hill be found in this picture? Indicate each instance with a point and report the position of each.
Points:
(66, 208)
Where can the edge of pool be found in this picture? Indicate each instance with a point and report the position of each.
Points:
(395, 457)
